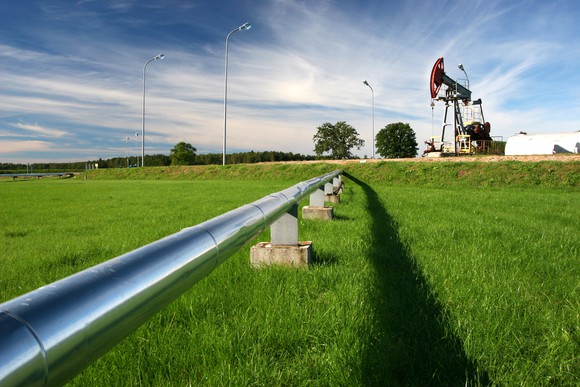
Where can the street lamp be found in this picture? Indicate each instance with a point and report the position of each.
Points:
(466, 77)
(159, 56)
(128, 149)
(373, 107)
(245, 26)
(137, 142)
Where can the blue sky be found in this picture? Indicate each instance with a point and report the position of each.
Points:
(71, 71)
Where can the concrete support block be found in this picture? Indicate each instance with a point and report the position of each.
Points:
(336, 182)
(332, 198)
(328, 189)
(317, 198)
(318, 212)
(284, 248)
(284, 231)
(266, 254)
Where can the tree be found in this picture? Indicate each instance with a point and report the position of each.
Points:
(182, 154)
(396, 141)
(336, 139)
(157, 160)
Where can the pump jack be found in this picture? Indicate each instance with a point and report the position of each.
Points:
(471, 131)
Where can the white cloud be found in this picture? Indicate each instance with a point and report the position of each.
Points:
(39, 131)
(10, 147)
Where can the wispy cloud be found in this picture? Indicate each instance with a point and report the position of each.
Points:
(10, 147)
(39, 131)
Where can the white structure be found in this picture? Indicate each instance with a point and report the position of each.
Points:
(543, 144)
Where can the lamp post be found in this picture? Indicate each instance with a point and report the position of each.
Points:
(245, 26)
(128, 149)
(159, 56)
(373, 108)
(466, 77)
(137, 142)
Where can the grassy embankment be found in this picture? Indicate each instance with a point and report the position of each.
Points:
(431, 273)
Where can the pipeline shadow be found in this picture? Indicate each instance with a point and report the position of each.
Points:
(410, 343)
(322, 259)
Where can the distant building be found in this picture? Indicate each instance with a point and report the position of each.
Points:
(543, 144)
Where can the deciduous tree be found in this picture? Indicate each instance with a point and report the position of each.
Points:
(183, 154)
(396, 141)
(337, 139)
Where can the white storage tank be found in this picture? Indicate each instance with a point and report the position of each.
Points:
(543, 144)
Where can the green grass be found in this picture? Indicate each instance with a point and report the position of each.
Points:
(414, 283)
(53, 228)
(545, 174)
(504, 265)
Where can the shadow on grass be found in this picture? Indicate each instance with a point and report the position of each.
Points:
(409, 344)
(342, 217)
(319, 259)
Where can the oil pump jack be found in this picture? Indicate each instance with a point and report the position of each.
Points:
(471, 131)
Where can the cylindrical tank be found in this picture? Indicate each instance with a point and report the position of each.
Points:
(543, 144)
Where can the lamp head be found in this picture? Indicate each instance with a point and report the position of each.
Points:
(245, 26)
(160, 56)
(366, 83)
(461, 67)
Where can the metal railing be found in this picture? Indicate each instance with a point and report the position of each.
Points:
(49, 335)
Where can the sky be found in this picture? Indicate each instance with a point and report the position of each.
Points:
(71, 72)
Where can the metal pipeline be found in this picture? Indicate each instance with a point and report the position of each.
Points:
(49, 335)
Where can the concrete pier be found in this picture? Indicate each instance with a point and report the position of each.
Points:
(315, 212)
(332, 198)
(284, 248)
(317, 209)
(266, 254)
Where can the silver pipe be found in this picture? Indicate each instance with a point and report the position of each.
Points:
(49, 335)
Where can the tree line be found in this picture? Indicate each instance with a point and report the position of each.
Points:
(185, 154)
(156, 160)
(331, 141)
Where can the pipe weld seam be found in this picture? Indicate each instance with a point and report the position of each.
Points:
(36, 337)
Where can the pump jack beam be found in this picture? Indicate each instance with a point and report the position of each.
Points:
(454, 91)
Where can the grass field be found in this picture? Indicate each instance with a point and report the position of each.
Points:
(414, 283)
